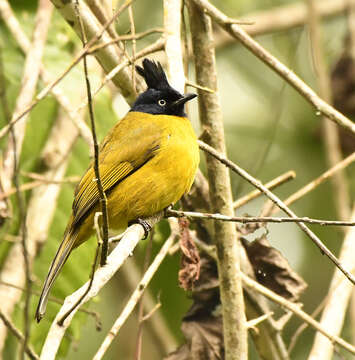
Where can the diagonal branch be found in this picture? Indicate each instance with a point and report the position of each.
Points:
(279, 203)
(237, 32)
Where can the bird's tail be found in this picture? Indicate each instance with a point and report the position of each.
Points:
(59, 260)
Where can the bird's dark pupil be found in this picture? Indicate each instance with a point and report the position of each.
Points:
(161, 102)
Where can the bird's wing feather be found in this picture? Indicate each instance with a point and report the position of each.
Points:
(120, 156)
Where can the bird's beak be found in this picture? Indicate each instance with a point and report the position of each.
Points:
(183, 100)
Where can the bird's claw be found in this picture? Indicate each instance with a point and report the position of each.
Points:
(146, 226)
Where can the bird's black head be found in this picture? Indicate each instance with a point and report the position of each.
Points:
(160, 97)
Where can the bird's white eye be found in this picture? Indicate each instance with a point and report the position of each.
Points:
(162, 102)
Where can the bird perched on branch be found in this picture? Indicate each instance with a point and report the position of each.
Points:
(147, 162)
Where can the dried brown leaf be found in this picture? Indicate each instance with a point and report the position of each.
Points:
(272, 270)
(190, 258)
(202, 325)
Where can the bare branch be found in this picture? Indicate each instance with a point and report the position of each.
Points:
(42, 94)
(287, 74)
(312, 185)
(256, 219)
(279, 203)
(289, 175)
(278, 19)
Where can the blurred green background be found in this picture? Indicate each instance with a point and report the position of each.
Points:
(269, 129)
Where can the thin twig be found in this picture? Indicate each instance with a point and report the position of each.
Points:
(100, 188)
(151, 312)
(41, 180)
(156, 46)
(196, 86)
(314, 183)
(42, 94)
(289, 175)
(157, 325)
(133, 300)
(256, 219)
(279, 203)
(28, 88)
(278, 19)
(8, 323)
(236, 31)
(136, 36)
(24, 43)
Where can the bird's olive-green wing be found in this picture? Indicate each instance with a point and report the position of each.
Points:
(123, 152)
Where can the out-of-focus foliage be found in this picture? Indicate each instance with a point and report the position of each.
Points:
(269, 130)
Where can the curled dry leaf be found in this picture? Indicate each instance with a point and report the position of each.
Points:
(272, 270)
(202, 325)
(190, 258)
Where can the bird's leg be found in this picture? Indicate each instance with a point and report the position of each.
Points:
(146, 226)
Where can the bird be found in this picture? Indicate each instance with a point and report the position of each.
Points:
(147, 162)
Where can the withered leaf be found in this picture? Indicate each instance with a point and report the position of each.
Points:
(272, 270)
(202, 325)
(190, 258)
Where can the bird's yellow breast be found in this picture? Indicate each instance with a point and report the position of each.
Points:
(164, 178)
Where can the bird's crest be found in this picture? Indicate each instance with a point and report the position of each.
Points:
(153, 75)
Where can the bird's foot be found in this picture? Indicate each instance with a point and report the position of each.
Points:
(167, 209)
(146, 226)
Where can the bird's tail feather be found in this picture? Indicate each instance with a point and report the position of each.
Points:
(59, 260)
